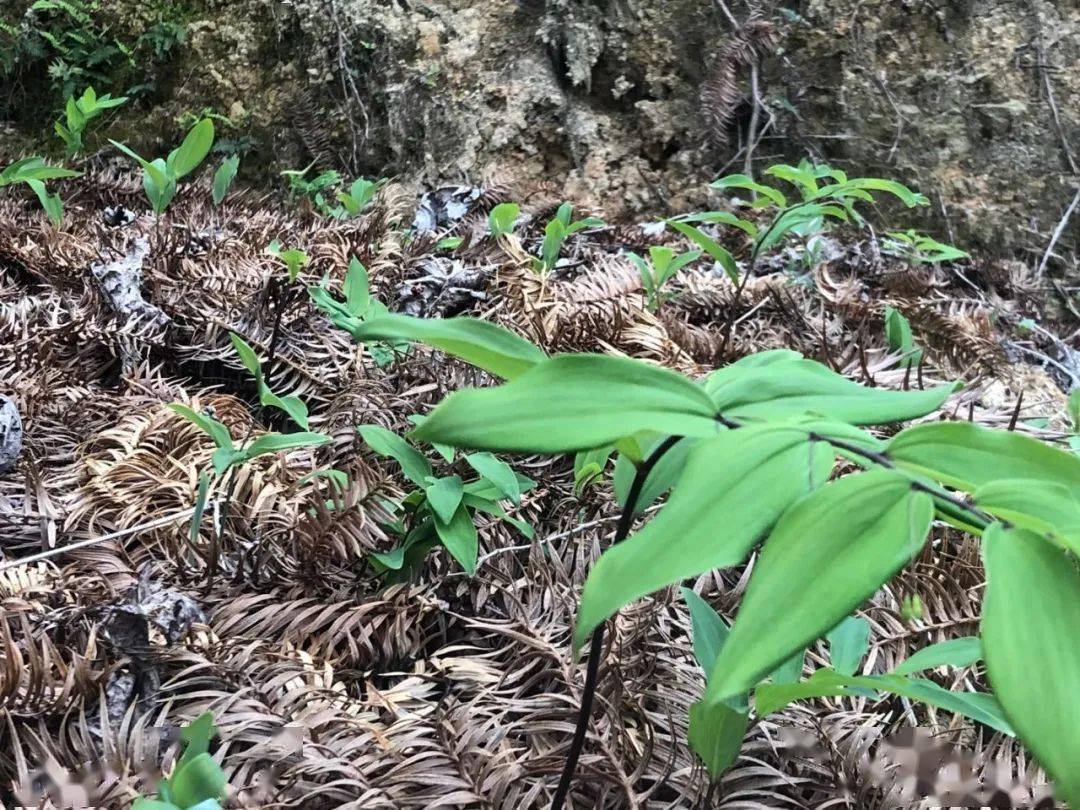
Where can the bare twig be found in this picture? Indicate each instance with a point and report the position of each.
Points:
(1058, 231)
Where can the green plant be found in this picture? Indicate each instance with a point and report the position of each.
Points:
(655, 272)
(556, 232)
(160, 176)
(312, 190)
(197, 781)
(900, 339)
(33, 171)
(78, 113)
(920, 248)
(224, 176)
(502, 218)
(352, 202)
(294, 259)
(762, 439)
(442, 509)
(359, 306)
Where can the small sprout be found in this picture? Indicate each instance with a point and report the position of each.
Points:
(558, 231)
(160, 176)
(224, 176)
(77, 113)
(655, 272)
(294, 259)
(502, 218)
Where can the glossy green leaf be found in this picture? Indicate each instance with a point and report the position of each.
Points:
(444, 497)
(356, 289)
(224, 176)
(1045, 507)
(848, 643)
(482, 488)
(788, 386)
(708, 628)
(193, 150)
(1030, 616)
(498, 472)
(389, 445)
(827, 555)
(957, 652)
(481, 343)
(733, 489)
(459, 537)
(716, 734)
(490, 507)
(50, 203)
(569, 403)
(710, 246)
(197, 780)
(966, 455)
(791, 670)
(278, 442)
(662, 477)
(248, 357)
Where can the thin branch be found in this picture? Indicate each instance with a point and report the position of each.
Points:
(1058, 231)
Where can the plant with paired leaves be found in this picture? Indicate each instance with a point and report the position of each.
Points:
(442, 509)
(359, 306)
(197, 781)
(33, 171)
(658, 269)
(352, 202)
(751, 451)
(556, 232)
(161, 175)
(78, 113)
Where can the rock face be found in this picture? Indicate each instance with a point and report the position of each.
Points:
(601, 98)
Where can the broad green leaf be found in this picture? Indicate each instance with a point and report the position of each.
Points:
(966, 455)
(478, 342)
(490, 507)
(444, 497)
(224, 176)
(459, 537)
(957, 652)
(848, 643)
(710, 246)
(482, 488)
(1073, 407)
(148, 167)
(901, 341)
(211, 427)
(716, 734)
(827, 555)
(803, 178)
(444, 450)
(662, 477)
(389, 445)
(1030, 616)
(193, 150)
(722, 218)
(791, 670)
(589, 466)
(50, 203)
(709, 629)
(292, 405)
(788, 386)
(277, 442)
(899, 190)
(357, 294)
(734, 487)
(196, 736)
(498, 472)
(225, 457)
(744, 182)
(769, 698)
(247, 355)
(1044, 507)
(198, 779)
(571, 402)
(502, 218)
(153, 804)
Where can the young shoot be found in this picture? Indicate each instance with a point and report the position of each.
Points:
(78, 113)
(556, 233)
(161, 175)
(658, 269)
(34, 172)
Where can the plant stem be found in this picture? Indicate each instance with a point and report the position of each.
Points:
(596, 646)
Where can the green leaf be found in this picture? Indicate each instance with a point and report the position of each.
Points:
(196, 736)
(957, 652)
(357, 292)
(51, 204)
(483, 488)
(502, 218)
(662, 477)
(444, 497)
(722, 218)
(444, 450)
(1030, 616)
(716, 734)
(791, 670)
(492, 508)
(744, 182)
(211, 427)
(569, 403)
(827, 555)
(481, 343)
(734, 487)
(1044, 507)
(224, 176)
(709, 629)
(199, 779)
(788, 386)
(1073, 407)
(804, 179)
(589, 466)
(389, 445)
(769, 698)
(848, 643)
(901, 341)
(247, 355)
(498, 472)
(292, 405)
(277, 442)
(898, 190)
(966, 455)
(459, 537)
(153, 804)
(194, 149)
(710, 246)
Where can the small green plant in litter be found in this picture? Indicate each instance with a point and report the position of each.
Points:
(920, 248)
(34, 172)
(502, 218)
(224, 176)
(294, 259)
(197, 782)
(161, 175)
(900, 338)
(658, 269)
(556, 232)
(78, 113)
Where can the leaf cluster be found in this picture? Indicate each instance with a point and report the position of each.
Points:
(197, 782)
(78, 113)
(34, 172)
(160, 176)
(556, 232)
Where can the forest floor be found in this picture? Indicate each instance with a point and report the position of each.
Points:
(331, 688)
